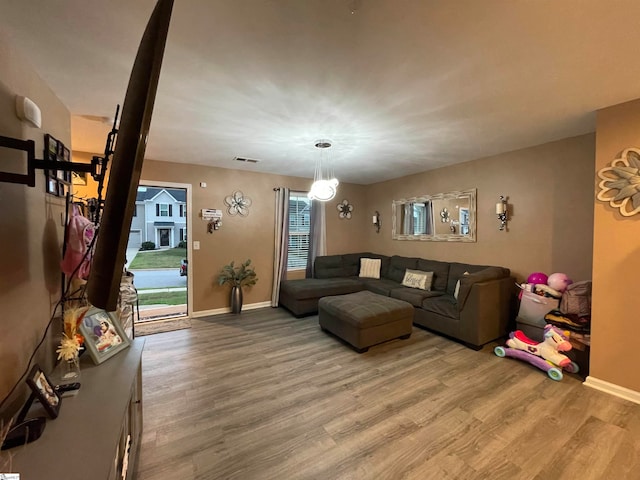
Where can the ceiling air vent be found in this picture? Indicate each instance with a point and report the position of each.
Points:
(246, 160)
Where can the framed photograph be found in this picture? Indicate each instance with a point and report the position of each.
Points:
(52, 186)
(51, 147)
(43, 390)
(103, 335)
(63, 189)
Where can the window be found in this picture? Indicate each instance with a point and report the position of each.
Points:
(183, 234)
(183, 210)
(163, 210)
(419, 219)
(299, 211)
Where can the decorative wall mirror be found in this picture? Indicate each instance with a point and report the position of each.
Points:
(444, 217)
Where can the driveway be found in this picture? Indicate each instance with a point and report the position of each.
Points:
(159, 278)
(130, 255)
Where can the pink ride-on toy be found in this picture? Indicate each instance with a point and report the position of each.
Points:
(545, 355)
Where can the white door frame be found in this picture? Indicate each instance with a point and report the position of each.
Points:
(188, 188)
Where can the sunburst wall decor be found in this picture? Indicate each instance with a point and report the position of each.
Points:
(620, 183)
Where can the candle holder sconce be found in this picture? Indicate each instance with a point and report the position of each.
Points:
(502, 212)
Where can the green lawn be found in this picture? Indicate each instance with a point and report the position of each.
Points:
(162, 298)
(169, 258)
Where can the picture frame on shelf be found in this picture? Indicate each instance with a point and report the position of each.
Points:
(44, 391)
(103, 335)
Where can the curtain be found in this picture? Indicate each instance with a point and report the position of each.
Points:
(408, 219)
(317, 235)
(429, 227)
(281, 237)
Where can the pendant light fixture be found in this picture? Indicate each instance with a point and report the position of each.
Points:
(325, 184)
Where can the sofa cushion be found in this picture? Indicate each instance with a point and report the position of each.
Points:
(370, 267)
(417, 279)
(351, 263)
(412, 295)
(384, 263)
(457, 289)
(380, 286)
(398, 266)
(444, 305)
(329, 266)
(316, 287)
(440, 272)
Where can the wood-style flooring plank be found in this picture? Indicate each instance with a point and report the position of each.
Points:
(264, 395)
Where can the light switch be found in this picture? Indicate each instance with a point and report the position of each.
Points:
(196, 245)
(203, 184)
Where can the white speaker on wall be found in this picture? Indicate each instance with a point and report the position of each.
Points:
(28, 111)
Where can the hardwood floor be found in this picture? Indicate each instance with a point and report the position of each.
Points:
(264, 395)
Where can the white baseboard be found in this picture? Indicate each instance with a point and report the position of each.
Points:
(220, 311)
(613, 389)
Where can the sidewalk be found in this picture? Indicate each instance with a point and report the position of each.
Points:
(142, 291)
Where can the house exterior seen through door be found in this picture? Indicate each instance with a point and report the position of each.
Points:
(157, 251)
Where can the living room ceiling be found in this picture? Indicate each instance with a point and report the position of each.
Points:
(400, 86)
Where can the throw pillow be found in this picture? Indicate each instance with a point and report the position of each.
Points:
(370, 267)
(457, 290)
(417, 279)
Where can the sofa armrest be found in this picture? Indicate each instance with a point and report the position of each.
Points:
(484, 275)
(485, 314)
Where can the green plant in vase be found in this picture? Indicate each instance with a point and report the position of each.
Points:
(241, 276)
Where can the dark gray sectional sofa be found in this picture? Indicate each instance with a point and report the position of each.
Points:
(481, 313)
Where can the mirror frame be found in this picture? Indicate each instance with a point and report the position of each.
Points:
(448, 237)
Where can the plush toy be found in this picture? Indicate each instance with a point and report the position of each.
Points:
(537, 278)
(559, 281)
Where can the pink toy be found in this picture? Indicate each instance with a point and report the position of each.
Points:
(537, 277)
(559, 281)
(545, 355)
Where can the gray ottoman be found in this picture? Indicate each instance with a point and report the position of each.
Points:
(365, 319)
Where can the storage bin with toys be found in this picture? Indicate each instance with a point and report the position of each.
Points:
(557, 300)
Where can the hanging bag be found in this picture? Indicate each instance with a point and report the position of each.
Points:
(576, 300)
(79, 236)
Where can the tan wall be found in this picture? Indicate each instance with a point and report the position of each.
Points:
(90, 190)
(252, 237)
(550, 193)
(31, 229)
(616, 261)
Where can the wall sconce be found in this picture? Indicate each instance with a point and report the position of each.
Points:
(376, 221)
(501, 211)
